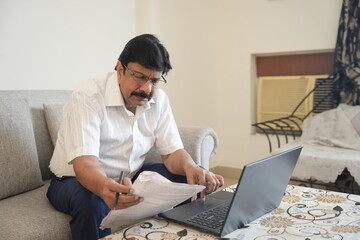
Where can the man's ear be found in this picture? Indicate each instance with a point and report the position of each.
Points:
(119, 71)
(119, 66)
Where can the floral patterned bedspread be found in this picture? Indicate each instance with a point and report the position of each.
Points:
(304, 213)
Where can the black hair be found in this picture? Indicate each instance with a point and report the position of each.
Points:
(147, 51)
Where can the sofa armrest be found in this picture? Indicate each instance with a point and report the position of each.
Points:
(200, 142)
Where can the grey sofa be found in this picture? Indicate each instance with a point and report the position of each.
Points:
(26, 146)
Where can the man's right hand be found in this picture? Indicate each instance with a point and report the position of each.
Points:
(92, 177)
(126, 198)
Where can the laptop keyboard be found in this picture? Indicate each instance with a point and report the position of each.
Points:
(212, 218)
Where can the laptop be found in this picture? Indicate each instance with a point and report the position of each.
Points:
(261, 186)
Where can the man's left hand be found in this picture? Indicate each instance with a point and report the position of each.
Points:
(198, 175)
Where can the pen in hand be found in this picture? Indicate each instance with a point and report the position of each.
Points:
(118, 194)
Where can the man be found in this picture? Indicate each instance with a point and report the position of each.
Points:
(108, 126)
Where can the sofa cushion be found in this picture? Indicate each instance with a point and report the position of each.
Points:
(31, 216)
(333, 128)
(19, 166)
(53, 116)
(36, 100)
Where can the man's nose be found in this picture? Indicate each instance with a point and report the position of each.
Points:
(147, 86)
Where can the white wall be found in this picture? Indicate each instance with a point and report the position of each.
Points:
(49, 44)
(56, 44)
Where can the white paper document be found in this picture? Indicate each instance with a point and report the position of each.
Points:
(159, 195)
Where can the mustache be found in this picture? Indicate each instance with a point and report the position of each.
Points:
(141, 94)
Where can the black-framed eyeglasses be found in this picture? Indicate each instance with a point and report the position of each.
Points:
(142, 79)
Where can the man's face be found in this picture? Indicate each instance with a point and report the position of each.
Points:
(136, 91)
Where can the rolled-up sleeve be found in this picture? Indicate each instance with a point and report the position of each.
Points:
(168, 139)
(82, 127)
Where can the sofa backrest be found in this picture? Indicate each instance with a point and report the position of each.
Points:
(36, 99)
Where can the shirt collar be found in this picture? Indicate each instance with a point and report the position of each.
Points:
(113, 95)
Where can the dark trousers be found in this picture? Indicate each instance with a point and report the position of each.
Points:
(87, 210)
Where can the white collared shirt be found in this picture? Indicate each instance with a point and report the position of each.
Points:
(96, 122)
